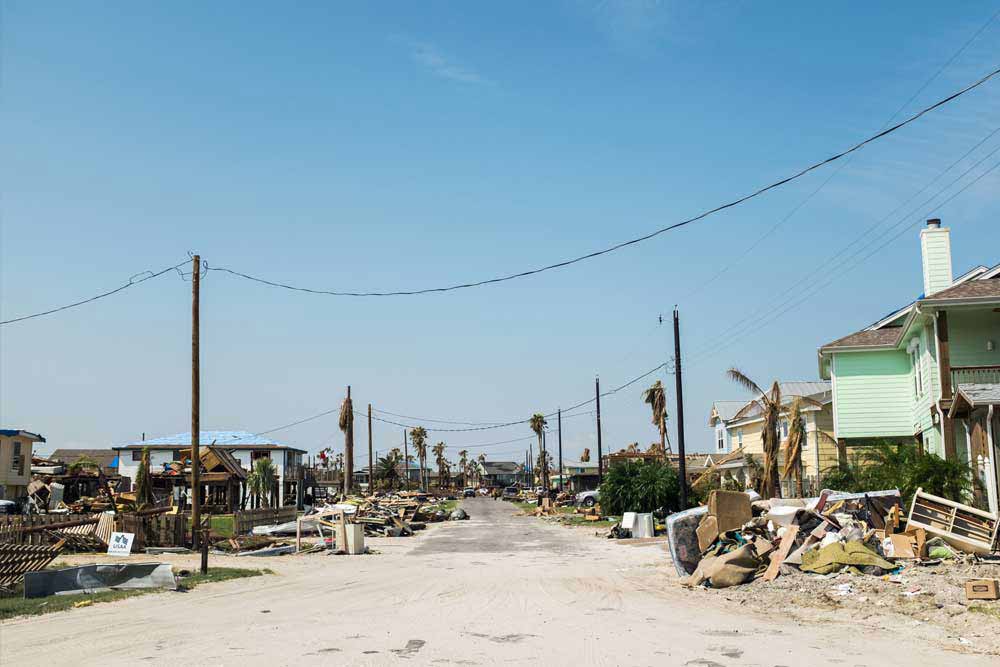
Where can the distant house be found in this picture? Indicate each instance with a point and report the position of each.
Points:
(106, 459)
(723, 412)
(244, 447)
(15, 462)
(502, 473)
(902, 378)
(580, 476)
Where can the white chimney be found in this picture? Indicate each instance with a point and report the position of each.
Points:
(935, 252)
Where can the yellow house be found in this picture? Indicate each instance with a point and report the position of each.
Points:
(738, 425)
(15, 462)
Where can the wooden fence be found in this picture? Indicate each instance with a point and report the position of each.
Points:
(156, 530)
(244, 522)
(29, 529)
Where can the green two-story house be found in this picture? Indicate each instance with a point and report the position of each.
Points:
(898, 379)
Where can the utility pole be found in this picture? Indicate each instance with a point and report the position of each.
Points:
(406, 462)
(682, 462)
(600, 451)
(349, 446)
(559, 422)
(545, 462)
(195, 401)
(371, 459)
(531, 462)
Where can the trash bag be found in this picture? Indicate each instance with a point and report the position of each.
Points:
(836, 556)
(459, 515)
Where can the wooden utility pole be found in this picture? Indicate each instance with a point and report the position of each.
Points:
(545, 463)
(371, 458)
(682, 461)
(531, 460)
(349, 445)
(195, 401)
(559, 423)
(406, 462)
(600, 450)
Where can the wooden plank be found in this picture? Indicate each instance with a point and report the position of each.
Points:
(787, 540)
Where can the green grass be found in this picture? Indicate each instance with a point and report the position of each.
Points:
(221, 525)
(578, 520)
(992, 610)
(14, 604)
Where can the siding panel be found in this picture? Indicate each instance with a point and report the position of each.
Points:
(874, 394)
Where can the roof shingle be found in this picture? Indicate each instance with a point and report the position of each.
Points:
(973, 289)
(868, 338)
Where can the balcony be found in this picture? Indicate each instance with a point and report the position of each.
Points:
(974, 375)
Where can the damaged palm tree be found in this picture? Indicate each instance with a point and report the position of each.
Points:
(656, 399)
(793, 446)
(347, 426)
(769, 404)
(143, 491)
(538, 424)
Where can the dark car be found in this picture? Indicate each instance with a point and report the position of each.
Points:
(469, 493)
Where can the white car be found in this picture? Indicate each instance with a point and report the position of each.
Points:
(588, 498)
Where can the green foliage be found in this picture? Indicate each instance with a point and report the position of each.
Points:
(386, 469)
(260, 481)
(886, 465)
(81, 464)
(634, 486)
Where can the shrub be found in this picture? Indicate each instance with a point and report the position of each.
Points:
(635, 486)
(901, 466)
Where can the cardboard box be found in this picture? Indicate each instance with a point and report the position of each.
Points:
(708, 531)
(731, 509)
(982, 589)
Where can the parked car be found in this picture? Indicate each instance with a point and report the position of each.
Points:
(588, 498)
(9, 507)
(511, 492)
(469, 493)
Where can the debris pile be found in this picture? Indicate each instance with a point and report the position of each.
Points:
(736, 538)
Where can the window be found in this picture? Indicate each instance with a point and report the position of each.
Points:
(739, 437)
(16, 462)
(782, 428)
(720, 439)
(136, 454)
(918, 371)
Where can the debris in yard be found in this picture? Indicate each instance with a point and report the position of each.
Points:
(982, 589)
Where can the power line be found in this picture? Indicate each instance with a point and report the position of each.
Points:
(789, 304)
(746, 252)
(132, 281)
(639, 239)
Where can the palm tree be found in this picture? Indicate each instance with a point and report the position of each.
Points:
(656, 399)
(770, 407)
(143, 492)
(387, 469)
(260, 481)
(418, 437)
(793, 446)
(441, 462)
(347, 426)
(538, 424)
(585, 457)
(463, 464)
(481, 468)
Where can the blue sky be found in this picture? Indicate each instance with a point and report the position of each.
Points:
(397, 146)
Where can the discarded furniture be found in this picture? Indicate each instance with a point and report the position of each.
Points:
(965, 527)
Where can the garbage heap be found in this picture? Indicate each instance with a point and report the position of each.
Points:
(738, 538)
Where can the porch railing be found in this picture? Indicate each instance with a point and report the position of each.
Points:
(974, 375)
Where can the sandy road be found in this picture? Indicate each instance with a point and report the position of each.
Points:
(495, 589)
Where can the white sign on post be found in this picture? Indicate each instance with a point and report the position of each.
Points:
(120, 544)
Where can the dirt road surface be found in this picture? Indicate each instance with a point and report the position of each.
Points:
(497, 589)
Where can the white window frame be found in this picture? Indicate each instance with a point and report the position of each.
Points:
(918, 370)
(739, 437)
